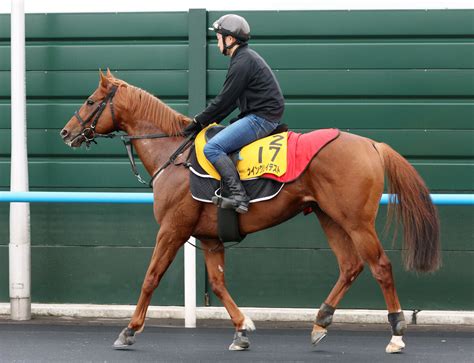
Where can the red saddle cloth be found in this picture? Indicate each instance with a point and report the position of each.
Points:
(302, 148)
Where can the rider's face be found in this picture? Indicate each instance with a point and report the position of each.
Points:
(220, 42)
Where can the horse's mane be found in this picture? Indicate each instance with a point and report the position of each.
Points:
(148, 108)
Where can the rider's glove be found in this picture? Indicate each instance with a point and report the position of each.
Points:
(193, 128)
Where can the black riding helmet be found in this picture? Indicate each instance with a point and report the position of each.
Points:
(233, 25)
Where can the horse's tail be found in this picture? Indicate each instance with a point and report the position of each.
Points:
(411, 202)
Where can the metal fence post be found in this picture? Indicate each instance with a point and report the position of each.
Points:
(196, 102)
(20, 242)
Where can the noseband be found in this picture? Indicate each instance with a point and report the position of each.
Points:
(89, 133)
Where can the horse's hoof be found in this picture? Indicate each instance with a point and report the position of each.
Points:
(393, 348)
(318, 335)
(125, 339)
(396, 345)
(241, 341)
(248, 324)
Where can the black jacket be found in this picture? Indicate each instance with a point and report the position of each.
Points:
(250, 85)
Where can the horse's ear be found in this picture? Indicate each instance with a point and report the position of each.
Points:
(109, 73)
(103, 79)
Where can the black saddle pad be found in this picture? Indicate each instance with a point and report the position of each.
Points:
(204, 187)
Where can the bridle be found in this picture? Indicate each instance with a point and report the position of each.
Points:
(89, 134)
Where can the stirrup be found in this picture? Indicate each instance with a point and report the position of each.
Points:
(228, 203)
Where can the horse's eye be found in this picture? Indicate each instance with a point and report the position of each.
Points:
(90, 102)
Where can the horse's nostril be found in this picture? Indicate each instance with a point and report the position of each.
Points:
(63, 133)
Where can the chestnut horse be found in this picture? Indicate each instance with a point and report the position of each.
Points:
(343, 185)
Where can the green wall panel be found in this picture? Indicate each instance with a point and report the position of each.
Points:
(401, 77)
(304, 278)
(363, 83)
(439, 175)
(54, 114)
(83, 83)
(304, 232)
(65, 173)
(297, 248)
(357, 23)
(76, 224)
(290, 23)
(354, 55)
(60, 224)
(427, 143)
(379, 114)
(447, 176)
(104, 26)
(48, 142)
(301, 114)
(108, 275)
(92, 57)
(292, 276)
(410, 143)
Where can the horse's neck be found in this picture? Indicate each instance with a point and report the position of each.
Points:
(152, 152)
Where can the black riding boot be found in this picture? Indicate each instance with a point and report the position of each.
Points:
(238, 199)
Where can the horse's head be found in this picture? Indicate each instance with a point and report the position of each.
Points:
(96, 115)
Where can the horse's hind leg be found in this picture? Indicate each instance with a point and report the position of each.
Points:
(358, 222)
(348, 189)
(371, 250)
(350, 266)
(214, 256)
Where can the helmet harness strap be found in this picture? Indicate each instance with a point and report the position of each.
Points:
(225, 50)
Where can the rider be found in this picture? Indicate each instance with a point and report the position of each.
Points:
(250, 85)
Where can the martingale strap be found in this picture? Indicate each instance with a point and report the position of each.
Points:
(126, 139)
(129, 148)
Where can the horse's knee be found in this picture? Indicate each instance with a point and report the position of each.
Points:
(349, 273)
(218, 287)
(382, 271)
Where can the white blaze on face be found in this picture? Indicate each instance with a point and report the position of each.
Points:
(220, 268)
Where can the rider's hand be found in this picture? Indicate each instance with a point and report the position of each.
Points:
(193, 128)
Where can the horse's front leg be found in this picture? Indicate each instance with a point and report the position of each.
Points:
(167, 245)
(214, 256)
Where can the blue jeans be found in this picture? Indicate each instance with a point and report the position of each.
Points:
(237, 135)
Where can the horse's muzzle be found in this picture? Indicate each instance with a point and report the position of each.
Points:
(70, 140)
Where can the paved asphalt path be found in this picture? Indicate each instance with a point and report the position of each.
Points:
(47, 341)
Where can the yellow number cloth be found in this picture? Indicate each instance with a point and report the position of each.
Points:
(267, 155)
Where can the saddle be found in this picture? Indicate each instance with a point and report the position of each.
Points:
(261, 183)
(205, 182)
